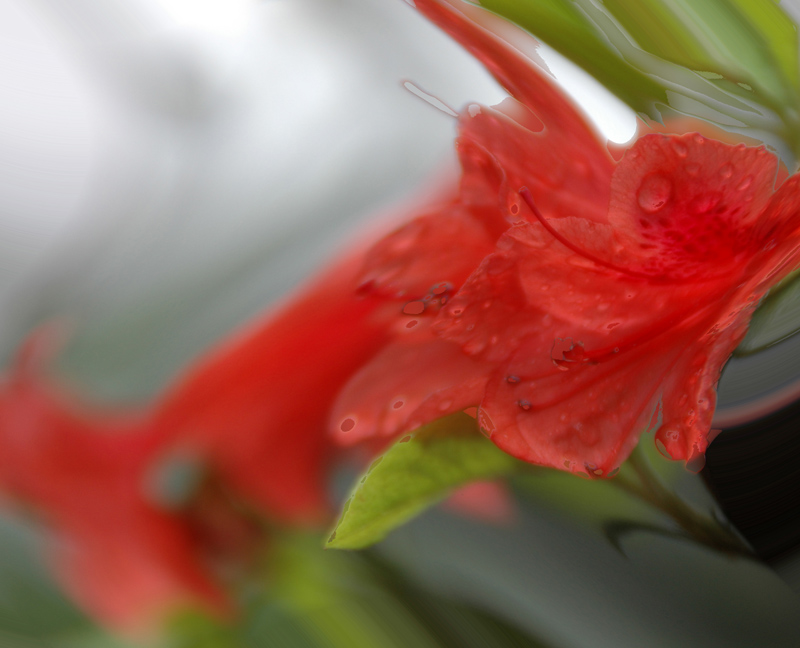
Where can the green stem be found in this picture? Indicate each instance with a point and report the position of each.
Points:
(646, 485)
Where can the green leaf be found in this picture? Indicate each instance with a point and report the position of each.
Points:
(415, 473)
(776, 319)
(732, 62)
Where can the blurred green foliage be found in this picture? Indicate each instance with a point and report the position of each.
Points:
(731, 62)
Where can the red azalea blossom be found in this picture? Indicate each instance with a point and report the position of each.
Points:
(120, 556)
(251, 416)
(576, 300)
(573, 299)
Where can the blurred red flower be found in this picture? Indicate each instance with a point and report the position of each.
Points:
(83, 476)
(575, 299)
(572, 298)
(248, 419)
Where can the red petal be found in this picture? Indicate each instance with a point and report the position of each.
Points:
(486, 501)
(85, 477)
(513, 70)
(410, 383)
(439, 247)
(256, 407)
(778, 233)
(686, 206)
(567, 176)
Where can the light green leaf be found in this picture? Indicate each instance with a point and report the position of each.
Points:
(415, 473)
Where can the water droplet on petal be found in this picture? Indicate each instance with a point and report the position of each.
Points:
(405, 439)
(662, 449)
(445, 405)
(474, 347)
(698, 138)
(414, 308)
(398, 404)
(654, 192)
(726, 171)
(703, 204)
(347, 425)
(745, 183)
(680, 149)
(441, 288)
(485, 423)
(513, 380)
(524, 404)
(412, 323)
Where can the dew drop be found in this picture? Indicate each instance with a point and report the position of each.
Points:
(698, 138)
(445, 405)
(398, 404)
(474, 347)
(703, 204)
(405, 439)
(441, 288)
(680, 149)
(414, 308)
(524, 404)
(347, 425)
(663, 449)
(412, 323)
(512, 380)
(654, 192)
(485, 423)
(745, 183)
(726, 171)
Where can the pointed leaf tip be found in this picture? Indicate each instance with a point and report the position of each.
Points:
(417, 472)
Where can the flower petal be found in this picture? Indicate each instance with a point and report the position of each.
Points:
(686, 206)
(567, 177)
(255, 408)
(412, 382)
(513, 70)
(438, 248)
(84, 477)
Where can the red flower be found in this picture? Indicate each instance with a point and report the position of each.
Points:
(251, 415)
(576, 300)
(254, 410)
(83, 476)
